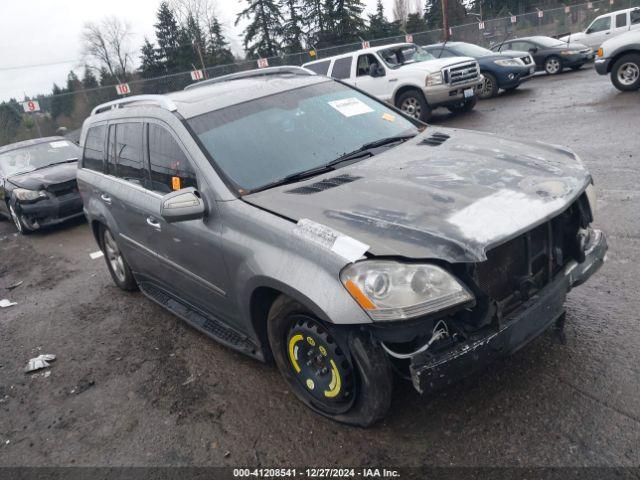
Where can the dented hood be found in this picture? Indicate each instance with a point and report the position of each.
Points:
(42, 178)
(446, 194)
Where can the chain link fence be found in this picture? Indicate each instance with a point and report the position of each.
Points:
(552, 22)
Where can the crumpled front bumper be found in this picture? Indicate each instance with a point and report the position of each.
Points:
(433, 372)
(50, 211)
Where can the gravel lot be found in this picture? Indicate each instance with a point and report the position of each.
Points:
(133, 385)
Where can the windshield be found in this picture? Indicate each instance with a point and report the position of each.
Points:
(469, 50)
(37, 156)
(404, 54)
(259, 142)
(549, 42)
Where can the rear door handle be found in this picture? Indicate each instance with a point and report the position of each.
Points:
(106, 198)
(152, 222)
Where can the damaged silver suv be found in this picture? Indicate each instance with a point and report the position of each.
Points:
(294, 218)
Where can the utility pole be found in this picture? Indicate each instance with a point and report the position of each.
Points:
(197, 47)
(445, 19)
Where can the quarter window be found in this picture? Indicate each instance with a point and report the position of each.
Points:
(128, 153)
(321, 68)
(621, 20)
(93, 157)
(170, 168)
(341, 68)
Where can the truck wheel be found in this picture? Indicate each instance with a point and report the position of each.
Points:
(413, 103)
(350, 383)
(488, 88)
(553, 65)
(116, 263)
(625, 74)
(463, 107)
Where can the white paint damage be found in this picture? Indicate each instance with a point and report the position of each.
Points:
(347, 247)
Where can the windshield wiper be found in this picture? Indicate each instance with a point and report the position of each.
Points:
(363, 151)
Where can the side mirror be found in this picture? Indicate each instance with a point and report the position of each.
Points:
(182, 205)
(533, 49)
(375, 70)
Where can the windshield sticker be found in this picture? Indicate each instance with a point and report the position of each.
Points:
(343, 245)
(350, 107)
(59, 144)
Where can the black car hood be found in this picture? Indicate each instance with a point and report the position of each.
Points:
(450, 198)
(45, 177)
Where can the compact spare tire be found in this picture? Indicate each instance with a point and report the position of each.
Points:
(625, 73)
(347, 379)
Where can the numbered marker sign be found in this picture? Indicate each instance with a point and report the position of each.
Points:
(197, 75)
(567, 9)
(481, 25)
(263, 62)
(514, 19)
(408, 38)
(123, 89)
(540, 14)
(31, 106)
(589, 5)
(365, 44)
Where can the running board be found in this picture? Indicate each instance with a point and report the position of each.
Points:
(204, 323)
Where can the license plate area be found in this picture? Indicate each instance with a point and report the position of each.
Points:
(468, 93)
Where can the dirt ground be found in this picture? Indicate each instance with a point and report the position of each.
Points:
(133, 385)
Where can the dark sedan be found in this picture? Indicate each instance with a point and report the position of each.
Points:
(38, 183)
(550, 54)
(500, 70)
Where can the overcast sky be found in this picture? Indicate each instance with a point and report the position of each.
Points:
(37, 32)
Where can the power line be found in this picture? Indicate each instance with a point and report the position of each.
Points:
(35, 65)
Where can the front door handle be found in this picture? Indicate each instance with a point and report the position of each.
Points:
(106, 198)
(152, 222)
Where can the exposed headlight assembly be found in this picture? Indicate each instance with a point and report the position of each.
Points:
(434, 79)
(389, 290)
(592, 198)
(25, 195)
(509, 62)
(568, 52)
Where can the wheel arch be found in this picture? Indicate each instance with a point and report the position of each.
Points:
(619, 55)
(406, 88)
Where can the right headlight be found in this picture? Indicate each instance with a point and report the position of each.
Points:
(389, 290)
(25, 195)
(433, 79)
(509, 62)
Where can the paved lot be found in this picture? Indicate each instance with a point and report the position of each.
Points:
(133, 385)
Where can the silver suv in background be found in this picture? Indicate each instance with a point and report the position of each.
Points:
(407, 76)
(294, 218)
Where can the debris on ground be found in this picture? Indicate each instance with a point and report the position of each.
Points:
(189, 380)
(4, 303)
(40, 362)
(82, 386)
(15, 285)
(96, 255)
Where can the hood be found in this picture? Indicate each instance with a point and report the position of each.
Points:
(573, 42)
(45, 177)
(446, 194)
(510, 55)
(573, 37)
(435, 65)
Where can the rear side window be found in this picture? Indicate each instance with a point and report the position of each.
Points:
(128, 153)
(321, 68)
(635, 17)
(621, 20)
(341, 68)
(170, 168)
(93, 156)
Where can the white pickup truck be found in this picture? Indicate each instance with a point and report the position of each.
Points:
(408, 77)
(620, 57)
(605, 27)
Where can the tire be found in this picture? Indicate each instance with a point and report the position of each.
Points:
(463, 107)
(358, 390)
(116, 263)
(17, 221)
(577, 67)
(488, 88)
(625, 73)
(413, 103)
(553, 65)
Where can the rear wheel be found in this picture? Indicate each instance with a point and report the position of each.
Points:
(348, 381)
(553, 65)
(625, 74)
(413, 103)
(116, 263)
(488, 88)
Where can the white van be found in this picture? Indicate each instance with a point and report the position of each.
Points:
(607, 26)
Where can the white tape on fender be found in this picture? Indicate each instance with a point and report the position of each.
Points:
(347, 247)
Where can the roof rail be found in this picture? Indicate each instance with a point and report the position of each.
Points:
(260, 72)
(158, 100)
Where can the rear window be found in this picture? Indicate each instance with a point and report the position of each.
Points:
(321, 68)
(341, 68)
(94, 148)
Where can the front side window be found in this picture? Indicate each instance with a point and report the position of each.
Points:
(600, 25)
(128, 153)
(341, 68)
(635, 17)
(364, 64)
(520, 46)
(321, 68)
(93, 157)
(621, 20)
(35, 157)
(170, 168)
(262, 141)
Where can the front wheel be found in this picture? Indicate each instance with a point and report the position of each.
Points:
(116, 263)
(625, 74)
(553, 65)
(488, 88)
(349, 381)
(463, 107)
(413, 103)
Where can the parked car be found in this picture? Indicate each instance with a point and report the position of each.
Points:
(38, 183)
(291, 216)
(550, 54)
(499, 70)
(408, 77)
(620, 57)
(605, 27)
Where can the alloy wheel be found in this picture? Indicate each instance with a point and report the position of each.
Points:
(485, 88)
(411, 106)
(552, 66)
(628, 73)
(114, 256)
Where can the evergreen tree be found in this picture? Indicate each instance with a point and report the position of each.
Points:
(313, 13)
(347, 23)
(379, 26)
(415, 23)
(262, 35)
(456, 13)
(292, 29)
(168, 38)
(191, 41)
(89, 80)
(10, 120)
(218, 52)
